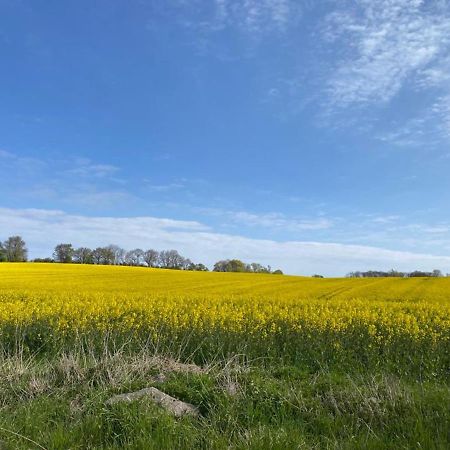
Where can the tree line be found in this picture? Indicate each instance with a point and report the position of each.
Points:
(115, 255)
(395, 273)
(14, 250)
(236, 265)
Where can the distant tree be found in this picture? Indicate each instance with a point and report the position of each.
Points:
(63, 253)
(200, 268)
(259, 268)
(134, 257)
(221, 266)
(236, 265)
(419, 273)
(151, 257)
(186, 264)
(354, 275)
(15, 249)
(108, 256)
(43, 260)
(256, 267)
(171, 259)
(118, 254)
(97, 255)
(277, 272)
(395, 273)
(2, 253)
(317, 276)
(189, 265)
(83, 255)
(100, 255)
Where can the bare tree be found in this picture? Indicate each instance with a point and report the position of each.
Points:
(97, 255)
(151, 257)
(103, 255)
(170, 259)
(119, 254)
(259, 268)
(187, 264)
(108, 256)
(134, 257)
(15, 249)
(83, 255)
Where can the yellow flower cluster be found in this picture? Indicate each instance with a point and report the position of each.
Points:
(70, 298)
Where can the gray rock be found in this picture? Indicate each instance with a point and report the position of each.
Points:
(170, 404)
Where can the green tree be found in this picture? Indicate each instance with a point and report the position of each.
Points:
(63, 253)
(15, 249)
(236, 265)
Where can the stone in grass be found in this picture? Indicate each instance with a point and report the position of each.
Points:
(170, 404)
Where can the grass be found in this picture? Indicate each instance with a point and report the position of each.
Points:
(59, 403)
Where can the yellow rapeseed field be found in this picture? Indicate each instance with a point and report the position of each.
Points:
(273, 313)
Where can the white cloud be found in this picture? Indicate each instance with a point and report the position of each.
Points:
(277, 220)
(385, 48)
(42, 229)
(386, 41)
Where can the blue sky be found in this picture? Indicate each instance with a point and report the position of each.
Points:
(314, 136)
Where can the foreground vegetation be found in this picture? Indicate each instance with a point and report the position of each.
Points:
(314, 363)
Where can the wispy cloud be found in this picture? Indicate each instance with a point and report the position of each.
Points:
(429, 128)
(383, 50)
(64, 180)
(386, 43)
(279, 221)
(84, 167)
(21, 164)
(255, 16)
(164, 187)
